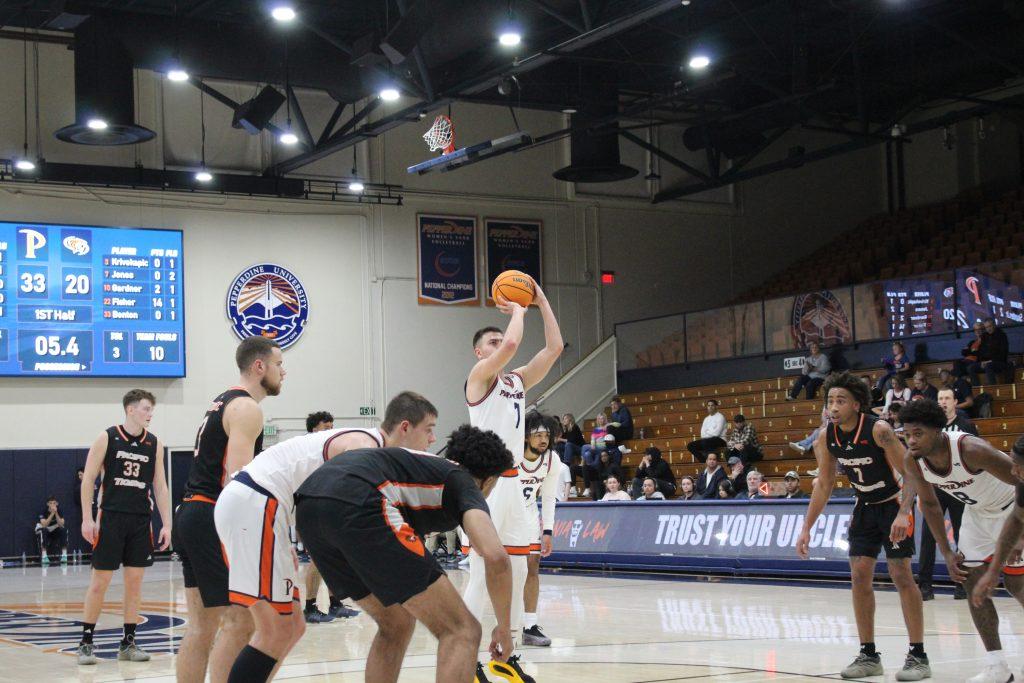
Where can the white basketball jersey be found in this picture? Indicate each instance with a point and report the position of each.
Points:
(532, 476)
(282, 468)
(502, 411)
(980, 489)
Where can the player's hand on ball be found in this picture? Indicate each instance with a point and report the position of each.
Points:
(501, 644)
(955, 569)
(900, 528)
(89, 530)
(538, 293)
(984, 587)
(163, 541)
(545, 545)
(508, 307)
(803, 545)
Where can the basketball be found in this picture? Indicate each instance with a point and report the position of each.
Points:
(513, 285)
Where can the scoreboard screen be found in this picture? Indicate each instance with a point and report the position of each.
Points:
(90, 301)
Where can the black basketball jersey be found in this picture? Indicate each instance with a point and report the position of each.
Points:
(208, 475)
(864, 460)
(128, 468)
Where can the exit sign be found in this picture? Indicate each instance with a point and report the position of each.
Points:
(269, 430)
(366, 411)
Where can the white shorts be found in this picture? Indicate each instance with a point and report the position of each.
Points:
(253, 530)
(979, 531)
(516, 529)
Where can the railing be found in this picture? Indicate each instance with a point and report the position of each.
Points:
(589, 384)
(908, 306)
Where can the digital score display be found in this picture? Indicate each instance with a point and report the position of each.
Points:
(91, 301)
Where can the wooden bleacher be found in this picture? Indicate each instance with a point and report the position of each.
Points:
(671, 419)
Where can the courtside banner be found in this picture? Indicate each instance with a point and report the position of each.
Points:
(446, 256)
(512, 245)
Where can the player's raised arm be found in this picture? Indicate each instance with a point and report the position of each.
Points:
(93, 465)
(820, 494)
(495, 350)
(539, 366)
(484, 539)
(163, 498)
(243, 422)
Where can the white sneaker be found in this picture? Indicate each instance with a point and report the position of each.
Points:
(586, 493)
(572, 491)
(627, 451)
(993, 673)
(797, 447)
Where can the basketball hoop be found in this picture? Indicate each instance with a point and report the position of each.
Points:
(441, 135)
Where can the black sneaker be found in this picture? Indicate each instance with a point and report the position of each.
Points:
(481, 677)
(959, 592)
(534, 636)
(926, 592)
(341, 610)
(315, 616)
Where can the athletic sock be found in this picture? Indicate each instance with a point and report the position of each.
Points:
(310, 605)
(529, 619)
(917, 649)
(87, 630)
(251, 665)
(995, 658)
(129, 634)
(868, 649)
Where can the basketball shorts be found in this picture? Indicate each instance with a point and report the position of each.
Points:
(979, 531)
(869, 531)
(195, 539)
(253, 528)
(122, 538)
(364, 548)
(516, 528)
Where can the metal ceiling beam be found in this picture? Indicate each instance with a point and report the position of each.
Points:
(979, 48)
(421, 64)
(551, 11)
(679, 163)
(329, 126)
(300, 118)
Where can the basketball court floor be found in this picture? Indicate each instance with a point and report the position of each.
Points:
(606, 629)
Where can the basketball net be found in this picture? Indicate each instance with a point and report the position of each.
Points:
(441, 135)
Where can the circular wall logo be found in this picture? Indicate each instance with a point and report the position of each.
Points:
(268, 300)
(819, 316)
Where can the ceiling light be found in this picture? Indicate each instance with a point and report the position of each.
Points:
(510, 38)
(699, 62)
(390, 94)
(283, 13)
(356, 186)
(25, 165)
(96, 124)
(204, 176)
(569, 110)
(288, 138)
(686, 3)
(177, 75)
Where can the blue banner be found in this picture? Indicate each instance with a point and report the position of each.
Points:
(512, 245)
(446, 270)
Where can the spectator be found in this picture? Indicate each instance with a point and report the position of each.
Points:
(876, 394)
(792, 482)
(591, 454)
(993, 354)
(569, 445)
(724, 490)
(962, 391)
(754, 481)
(712, 433)
(51, 533)
(650, 491)
(956, 419)
(564, 487)
(737, 473)
(969, 352)
(816, 368)
(896, 365)
(653, 466)
(742, 441)
(899, 393)
(621, 424)
(606, 467)
(923, 388)
(319, 422)
(707, 482)
(806, 444)
(687, 489)
(613, 490)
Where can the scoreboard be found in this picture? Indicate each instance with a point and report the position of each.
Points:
(91, 301)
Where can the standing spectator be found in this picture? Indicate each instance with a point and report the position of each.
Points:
(742, 441)
(896, 365)
(961, 367)
(993, 354)
(737, 473)
(51, 533)
(725, 491)
(569, 445)
(805, 445)
(816, 368)
(962, 391)
(687, 489)
(754, 481)
(713, 474)
(956, 419)
(923, 388)
(606, 467)
(654, 467)
(650, 491)
(712, 433)
(613, 490)
(621, 423)
(898, 394)
(792, 482)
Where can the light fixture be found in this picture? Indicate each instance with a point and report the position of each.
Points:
(177, 75)
(569, 110)
(686, 3)
(96, 124)
(698, 62)
(356, 186)
(25, 164)
(283, 13)
(510, 38)
(287, 137)
(390, 94)
(204, 176)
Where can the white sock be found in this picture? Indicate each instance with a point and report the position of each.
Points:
(529, 619)
(995, 658)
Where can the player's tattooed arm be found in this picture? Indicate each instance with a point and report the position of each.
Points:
(1009, 537)
(893, 447)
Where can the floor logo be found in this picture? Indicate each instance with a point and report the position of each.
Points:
(268, 300)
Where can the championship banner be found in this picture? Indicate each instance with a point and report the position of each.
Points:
(512, 245)
(446, 260)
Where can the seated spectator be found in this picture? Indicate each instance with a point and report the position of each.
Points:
(993, 355)
(564, 487)
(806, 444)
(707, 482)
(737, 473)
(712, 433)
(876, 394)
(51, 534)
(591, 453)
(970, 352)
(687, 489)
(962, 391)
(621, 423)
(922, 387)
(816, 369)
(653, 466)
(569, 445)
(792, 482)
(596, 436)
(724, 491)
(613, 490)
(898, 364)
(956, 419)
(650, 491)
(741, 441)
(606, 467)
(899, 393)
(754, 481)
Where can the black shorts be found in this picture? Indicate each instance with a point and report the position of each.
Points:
(202, 558)
(122, 538)
(358, 553)
(870, 527)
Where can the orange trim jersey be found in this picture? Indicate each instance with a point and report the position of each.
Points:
(502, 411)
(870, 474)
(208, 475)
(129, 466)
